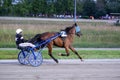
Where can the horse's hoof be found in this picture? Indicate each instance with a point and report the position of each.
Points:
(56, 61)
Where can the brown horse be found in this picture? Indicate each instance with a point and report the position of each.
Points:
(59, 42)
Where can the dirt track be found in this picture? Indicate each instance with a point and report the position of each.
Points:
(65, 70)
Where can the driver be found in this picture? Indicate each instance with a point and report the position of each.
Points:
(20, 41)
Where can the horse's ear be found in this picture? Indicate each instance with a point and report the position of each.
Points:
(75, 24)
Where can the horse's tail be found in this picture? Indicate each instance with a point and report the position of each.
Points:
(35, 38)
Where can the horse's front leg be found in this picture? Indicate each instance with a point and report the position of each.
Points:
(50, 52)
(67, 52)
(76, 53)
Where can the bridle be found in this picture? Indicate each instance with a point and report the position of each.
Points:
(77, 30)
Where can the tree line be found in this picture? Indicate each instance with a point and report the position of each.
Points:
(50, 8)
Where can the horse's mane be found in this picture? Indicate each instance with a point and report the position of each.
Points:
(67, 29)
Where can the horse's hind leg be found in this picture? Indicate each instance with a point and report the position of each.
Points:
(50, 53)
(76, 53)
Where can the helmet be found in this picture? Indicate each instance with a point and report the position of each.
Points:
(18, 31)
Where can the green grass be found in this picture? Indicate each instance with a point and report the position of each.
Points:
(86, 54)
(95, 34)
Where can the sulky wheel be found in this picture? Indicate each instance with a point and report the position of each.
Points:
(23, 57)
(35, 59)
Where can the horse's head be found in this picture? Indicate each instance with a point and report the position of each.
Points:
(77, 30)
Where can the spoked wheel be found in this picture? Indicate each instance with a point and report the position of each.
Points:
(23, 57)
(35, 59)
